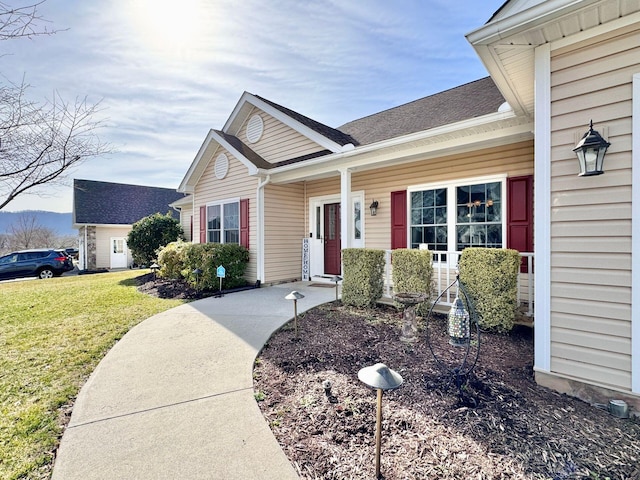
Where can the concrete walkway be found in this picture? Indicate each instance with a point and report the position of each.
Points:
(173, 399)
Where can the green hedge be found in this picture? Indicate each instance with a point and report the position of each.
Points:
(180, 260)
(413, 273)
(363, 280)
(490, 276)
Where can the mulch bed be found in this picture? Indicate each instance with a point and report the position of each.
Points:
(499, 425)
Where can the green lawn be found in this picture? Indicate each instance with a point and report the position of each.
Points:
(53, 333)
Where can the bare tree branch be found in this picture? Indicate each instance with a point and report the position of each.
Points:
(41, 142)
(23, 21)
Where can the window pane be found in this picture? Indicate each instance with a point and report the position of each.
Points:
(231, 215)
(429, 209)
(356, 220)
(213, 217)
(464, 214)
(416, 199)
(427, 198)
(462, 195)
(416, 237)
(231, 236)
(213, 236)
(428, 216)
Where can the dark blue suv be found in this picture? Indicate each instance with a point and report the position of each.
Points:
(41, 263)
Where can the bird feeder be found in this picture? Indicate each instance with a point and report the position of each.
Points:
(459, 332)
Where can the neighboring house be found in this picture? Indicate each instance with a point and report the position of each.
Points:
(459, 169)
(104, 212)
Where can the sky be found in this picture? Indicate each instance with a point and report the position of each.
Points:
(166, 72)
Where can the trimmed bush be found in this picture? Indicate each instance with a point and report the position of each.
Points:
(151, 233)
(413, 273)
(363, 280)
(490, 276)
(171, 260)
(208, 257)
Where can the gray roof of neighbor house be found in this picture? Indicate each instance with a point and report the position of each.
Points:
(105, 203)
(471, 100)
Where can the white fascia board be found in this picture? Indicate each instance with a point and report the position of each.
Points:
(387, 152)
(235, 114)
(287, 120)
(187, 185)
(525, 20)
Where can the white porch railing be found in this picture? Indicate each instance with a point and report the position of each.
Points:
(445, 265)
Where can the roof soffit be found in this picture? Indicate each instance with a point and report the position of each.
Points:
(506, 44)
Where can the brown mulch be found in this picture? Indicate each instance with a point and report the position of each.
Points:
(498, 425)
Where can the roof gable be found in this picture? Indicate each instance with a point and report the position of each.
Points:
(105, 203)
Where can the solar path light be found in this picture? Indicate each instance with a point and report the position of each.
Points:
(295, 296)
(154, 268)
(380, 377)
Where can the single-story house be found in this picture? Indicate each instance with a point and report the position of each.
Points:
(489, 163)
(104, 212)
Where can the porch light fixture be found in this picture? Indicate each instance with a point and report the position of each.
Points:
(380, 377)
(590, 151)
(374, 208)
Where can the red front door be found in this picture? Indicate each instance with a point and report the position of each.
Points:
(332, 239)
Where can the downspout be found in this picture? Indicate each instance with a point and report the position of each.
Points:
(84, 253)
(260, 226)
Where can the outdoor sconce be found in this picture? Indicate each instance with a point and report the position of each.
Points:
(459, 333)
(590, 151)
(380, 377)
(295, 296)
(374, 208)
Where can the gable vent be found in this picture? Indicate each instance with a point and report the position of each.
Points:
(221, 167)
(255, 127)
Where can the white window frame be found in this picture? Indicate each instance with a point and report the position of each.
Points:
(451, 186)
(635, 232)
(222, 203)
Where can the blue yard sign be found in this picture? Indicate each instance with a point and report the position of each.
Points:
(220, 272)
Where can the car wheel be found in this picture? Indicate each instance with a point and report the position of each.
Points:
(45, 273)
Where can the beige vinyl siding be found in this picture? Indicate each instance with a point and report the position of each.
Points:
(103, 244)
(186, 214)
(512, 160)
(236, 184)
(284, 230)
(278, 142)
(591, 216)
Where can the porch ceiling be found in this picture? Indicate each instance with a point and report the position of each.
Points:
(506, 45)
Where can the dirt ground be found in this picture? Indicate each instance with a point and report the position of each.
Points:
(498, 425)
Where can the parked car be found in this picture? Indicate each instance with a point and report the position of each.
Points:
(41, 263)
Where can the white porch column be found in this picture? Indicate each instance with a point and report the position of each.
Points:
(542, 209)
(346, 215)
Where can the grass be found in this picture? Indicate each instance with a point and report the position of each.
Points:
(53, 333)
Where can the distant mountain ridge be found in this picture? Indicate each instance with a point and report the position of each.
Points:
(60, 223)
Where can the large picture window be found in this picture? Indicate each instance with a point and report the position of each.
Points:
(457, 216)
(223, 222)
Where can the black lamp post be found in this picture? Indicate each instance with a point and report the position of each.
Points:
(590, 151)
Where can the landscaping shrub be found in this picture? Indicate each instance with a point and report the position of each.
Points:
(150, 234)
(171, 261)
(208, 257)
(490, 276)
(363, 281)
(413, 273)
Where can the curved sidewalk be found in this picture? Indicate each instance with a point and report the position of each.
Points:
(174, 397)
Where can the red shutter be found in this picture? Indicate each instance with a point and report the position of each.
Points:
(399, 219)
(203, 224)
(520, 215)
(244, 223)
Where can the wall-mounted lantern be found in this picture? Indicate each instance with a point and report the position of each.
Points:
(374, 208)
(590, 151)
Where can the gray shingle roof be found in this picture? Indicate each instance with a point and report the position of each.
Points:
(246, 151)
(119, 204)
(460, 103)
(336, 136)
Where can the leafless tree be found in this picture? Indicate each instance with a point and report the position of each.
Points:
(27, 232)
(40, 141)
(22, 21)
